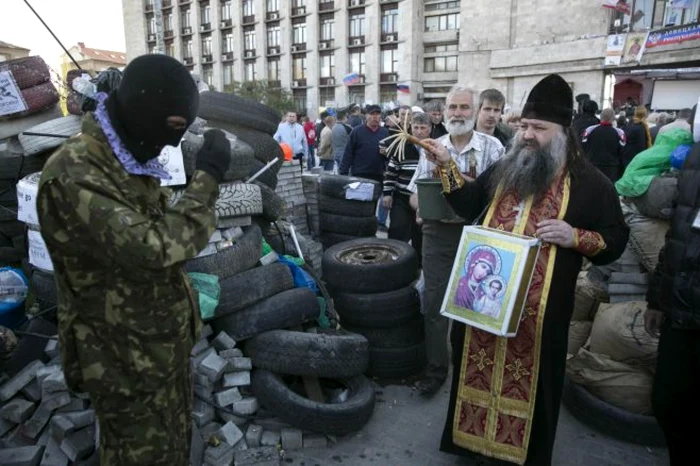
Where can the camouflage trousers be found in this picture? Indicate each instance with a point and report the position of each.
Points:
(150, 429)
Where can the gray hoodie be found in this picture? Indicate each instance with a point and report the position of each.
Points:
(341, 135)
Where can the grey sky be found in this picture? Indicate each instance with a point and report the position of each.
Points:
(97, 23)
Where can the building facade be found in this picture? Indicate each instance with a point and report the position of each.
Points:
(402, 50)
(10, 52)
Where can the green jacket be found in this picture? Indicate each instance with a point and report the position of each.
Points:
(127, 315)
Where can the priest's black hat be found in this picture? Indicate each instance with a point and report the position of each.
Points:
(551, 100)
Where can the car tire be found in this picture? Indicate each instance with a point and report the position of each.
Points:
(242, 256)
(237, 110)
(349, 208)
(335, 186)
(274, 206)
(395, 363)
(235, 200)
(408, 334)
(268, 177)
(353, 226)
(247, 288)
(378, 310)
(241, 157)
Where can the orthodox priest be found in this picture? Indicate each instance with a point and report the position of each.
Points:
(505, 395)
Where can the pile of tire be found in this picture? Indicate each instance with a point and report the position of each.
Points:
(342, 218)
(371, 281)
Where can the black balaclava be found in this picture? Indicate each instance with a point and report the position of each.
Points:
(153, 88)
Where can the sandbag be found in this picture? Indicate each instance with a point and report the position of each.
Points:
(579, 331)
(647, 237)
(618, 332)
(619, 384)
(657, 202)
(587, 297)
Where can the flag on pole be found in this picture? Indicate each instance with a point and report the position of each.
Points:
(403, 88)
(352, 78)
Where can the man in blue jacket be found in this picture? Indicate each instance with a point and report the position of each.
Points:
(362, 157)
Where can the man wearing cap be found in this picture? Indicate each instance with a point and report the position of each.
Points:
(362, 157)
(505, 395)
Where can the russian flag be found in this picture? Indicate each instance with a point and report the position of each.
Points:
(352, 78)
(403, 88)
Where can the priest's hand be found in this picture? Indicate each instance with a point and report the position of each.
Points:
(556, 232)
(652, 322)
(438, 153)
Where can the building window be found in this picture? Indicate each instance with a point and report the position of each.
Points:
(170, 49)
(326, 96)
(357, 62)
(451, 47)
(273, 5)
(436, 64)
(678, 16)
(442, 22)
(327, 28)
(387, 93)
(327, 65)
(185, 18)
(205, 14)
(248, 8)
(226, 11)
(152, 49)
(299, 33)
(168, 22)
(188, 49)
(250, 74)
(206, 45)
(228, 42)
(298, 3)
(249, 39)
(389, 60)
(357, 25)
(299, 96)
(299, 68)
(228, 74)
(208, 76)
(273, 36)
(151, 25)
(356, 95)
(390, 19)
(273, 70)
(441, 6)
(651, 14)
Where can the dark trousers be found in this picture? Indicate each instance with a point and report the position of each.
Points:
(403, 225)
(676, 390)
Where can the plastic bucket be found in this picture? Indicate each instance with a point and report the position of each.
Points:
(432, 205)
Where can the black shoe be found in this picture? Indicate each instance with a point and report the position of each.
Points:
(430, 383)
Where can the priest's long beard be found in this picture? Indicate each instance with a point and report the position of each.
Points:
(530, 171)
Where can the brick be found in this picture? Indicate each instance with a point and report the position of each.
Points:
(81, 419)
(196, 447)
(55, 382)
(270, 438)
(315, 441)
(241, 445)
(213, 366)
(232, 234)
(230, 433)
(19, 381)
(53, 456)
(272, 423)
(44, 438)
(253, 435)
(17, 410)
(47, 370)
(21, 456)
(204, 393)
(51, 348)
(236, 379)
(231, 353)
(292, 439)
(263, 456)
(202, 413)
(32, 392)
(199, 347)
(269, 258)
(56, 400)
(223, 342)
(206, 332)
(227, 397)
(34, 426)
(240, 364)
(61, 428)
(5, 427)
(210, 429)
(215, 454)
(245, 407)
(76, 404)
(80, 445)
(203, 381)
(228, 417)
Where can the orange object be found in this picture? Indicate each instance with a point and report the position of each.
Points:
(287, 151)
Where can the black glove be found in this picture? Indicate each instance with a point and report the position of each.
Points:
(215, 155)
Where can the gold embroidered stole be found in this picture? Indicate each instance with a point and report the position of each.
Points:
(498, 376)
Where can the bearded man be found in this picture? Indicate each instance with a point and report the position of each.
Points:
(506, 392)
(472, 153)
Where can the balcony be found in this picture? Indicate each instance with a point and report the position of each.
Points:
(355, 3)
(274, 84)
(299, 48)
(151, 38)
(226, 23)
(326, 6)
(327, 82)
(186, 31)
(357, 41)
(298, 83)
(389, 37)
(207, 59)
(205, 27)
(250, 19)
(272, 16)
(149, 7)
(184, 2)
(274, 50)
(298, 11)
(167, 4)
(169, 33)
(227, 56)
(249, 53)
(188, 61)
(388, 77)
(325, 44)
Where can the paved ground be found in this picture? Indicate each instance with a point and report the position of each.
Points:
(405, 430)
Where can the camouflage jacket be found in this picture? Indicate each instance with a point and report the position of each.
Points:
(126, 312)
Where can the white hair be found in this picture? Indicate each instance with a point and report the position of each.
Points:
(458, 89)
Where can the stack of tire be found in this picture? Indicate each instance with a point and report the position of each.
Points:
(371, 281)
(342, 218)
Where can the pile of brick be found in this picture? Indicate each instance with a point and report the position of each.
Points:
(228, 427)
(289, 188)
(42, 422)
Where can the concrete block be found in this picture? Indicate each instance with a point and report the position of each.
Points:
(214, 455)
(210, 429)
(232, 234)
(5, 427)
(227, 397)
(55, 382)
(272, 423)
(269, 258)
(34, 426)
(19, 381)
(46, 371)
(203, 392)
(17, 410)
(197, 360)
(270, 438)
(230, 433)
(242, 445)
(51, 349)
(76, 404)
(231, 353)
(80, 444)
(44, 438)
(21, 456)
(56, 400)
(236, 379)
(213, 366)
(245, 407)
(315, 441)
(53, 456)
(61, 428)
(206, 332)
(223, 342)
(240, 364)
(228, 417)
(203, 381)
(81, 419)
(32, 392)
(263, 456)
(292, 439)
(196, 447)
(200, 346)
(202, 413)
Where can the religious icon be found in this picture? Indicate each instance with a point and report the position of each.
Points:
(490, 278)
